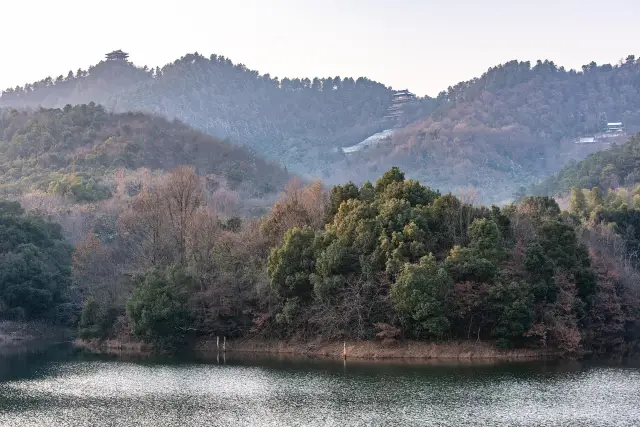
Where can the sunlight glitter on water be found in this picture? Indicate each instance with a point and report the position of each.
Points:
(81, 393)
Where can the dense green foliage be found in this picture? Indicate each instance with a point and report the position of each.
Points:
(158, 309)
(71, 151)
(35, 268)
(398, 253)
(389, 260)
(617, 166)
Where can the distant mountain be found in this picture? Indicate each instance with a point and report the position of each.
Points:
(301, 123)
(616, 167)
(77, 151)
(512, 126)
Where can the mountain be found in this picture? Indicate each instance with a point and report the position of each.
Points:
(300, 123)
(78, 151)
(618, 166)
(515, 124)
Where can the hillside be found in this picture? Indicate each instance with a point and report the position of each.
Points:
(76, 151)
(618, 166)
(513, 125)
(300, 123)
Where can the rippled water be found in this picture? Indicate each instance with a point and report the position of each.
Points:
(67, 388)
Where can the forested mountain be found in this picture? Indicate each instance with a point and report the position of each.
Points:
(513, 125)
(80, 151)
(608, 169)
(299, 122)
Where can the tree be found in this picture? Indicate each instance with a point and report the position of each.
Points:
(145, 226)
(512, 308)
(421, 295)
(290, 265)
(299, 206)
(183, 196)
(392, 175)
(578, 203)
(158, 309)
(485, 239)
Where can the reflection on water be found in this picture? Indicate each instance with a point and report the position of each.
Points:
(63, 387)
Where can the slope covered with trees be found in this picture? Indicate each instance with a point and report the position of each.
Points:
(513, 125)
(618, 166)
(79, 151)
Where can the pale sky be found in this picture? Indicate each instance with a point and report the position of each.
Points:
(423, 45)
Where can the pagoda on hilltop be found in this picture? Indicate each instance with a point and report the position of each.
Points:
(117, 55)
(399, 99)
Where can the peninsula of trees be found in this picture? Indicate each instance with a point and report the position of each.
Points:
(389, 260)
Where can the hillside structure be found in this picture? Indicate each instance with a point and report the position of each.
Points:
(117, 55)
(400, 99)
(615, 127)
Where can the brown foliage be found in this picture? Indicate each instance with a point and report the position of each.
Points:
(183, 195)
(300, 206)
(94, 270)
(563, 327)
(387, 333)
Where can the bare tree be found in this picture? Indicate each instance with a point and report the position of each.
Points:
(144, 227)
(183, 195)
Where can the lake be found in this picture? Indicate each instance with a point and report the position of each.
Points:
(66, 387)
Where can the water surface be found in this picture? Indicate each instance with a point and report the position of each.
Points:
(64, 387)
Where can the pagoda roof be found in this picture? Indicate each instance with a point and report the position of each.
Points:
(117, 54)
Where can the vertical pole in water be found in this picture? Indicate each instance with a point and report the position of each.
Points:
(224, 344)
(344, 350)
(218, 343)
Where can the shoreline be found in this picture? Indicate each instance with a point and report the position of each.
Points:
(376, 350)
(355, 350)
(16, 337)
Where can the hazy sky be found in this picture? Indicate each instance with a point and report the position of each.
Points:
(423, 45)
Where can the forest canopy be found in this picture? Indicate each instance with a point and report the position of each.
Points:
(77, 151)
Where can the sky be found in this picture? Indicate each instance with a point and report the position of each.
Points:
(422, 45)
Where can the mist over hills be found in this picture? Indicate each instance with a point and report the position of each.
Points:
(512, 126)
